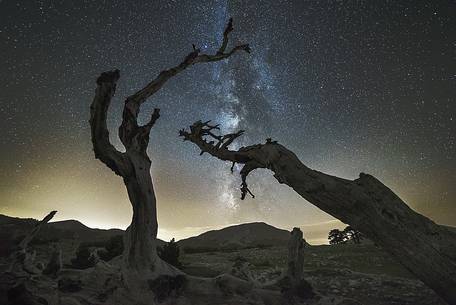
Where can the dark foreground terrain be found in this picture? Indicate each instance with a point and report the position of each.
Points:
(362, 273)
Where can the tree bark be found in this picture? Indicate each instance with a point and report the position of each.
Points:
(133, 165)
(426, 249)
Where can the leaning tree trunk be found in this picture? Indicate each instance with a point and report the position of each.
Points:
(21, 259)
(426, 249)
(133, 165)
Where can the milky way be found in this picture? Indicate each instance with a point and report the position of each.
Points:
(349, 86)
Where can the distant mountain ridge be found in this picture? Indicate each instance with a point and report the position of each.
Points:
(255, 234)
(83, 232)
(66, 229)
(247, 235)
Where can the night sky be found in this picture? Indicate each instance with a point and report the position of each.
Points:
(349, 86)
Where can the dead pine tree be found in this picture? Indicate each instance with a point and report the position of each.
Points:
(426, 249)
(134, 164)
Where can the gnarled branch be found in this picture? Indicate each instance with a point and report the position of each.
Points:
(200, 131)
(133, 136)
(132, 104)
(104, 150)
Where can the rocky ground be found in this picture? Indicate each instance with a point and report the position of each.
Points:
(362, 273)
(349, 273)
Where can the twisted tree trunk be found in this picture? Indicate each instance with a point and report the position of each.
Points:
(426, 249)
(133, 165)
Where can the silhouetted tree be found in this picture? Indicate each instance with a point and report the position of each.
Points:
(336, 237)
(352, 234)
(170, 253)
(134, 164)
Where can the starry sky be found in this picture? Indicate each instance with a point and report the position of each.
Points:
(349, 86)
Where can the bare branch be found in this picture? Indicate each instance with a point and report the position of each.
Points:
(245, 171)
(232, 167)
(129, 126)
(229, 138)
(104, 150)
(153, 118)
(228, 29)
(245, 155)
(133, 136)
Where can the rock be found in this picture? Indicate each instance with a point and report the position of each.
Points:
(231, 285)
(242, 269)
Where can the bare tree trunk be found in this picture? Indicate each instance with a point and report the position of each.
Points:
(293, 285)
(133, 165)
(140, 246)
(29, 237)
(295, 269)
(423, 247)
(21, 259)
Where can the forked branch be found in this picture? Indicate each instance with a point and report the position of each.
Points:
(201, 134)
(133, 136)
(129, 126)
